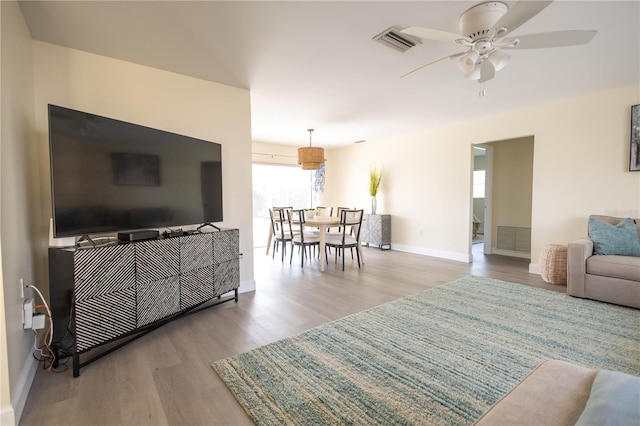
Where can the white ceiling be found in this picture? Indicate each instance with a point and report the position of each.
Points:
(313, 64)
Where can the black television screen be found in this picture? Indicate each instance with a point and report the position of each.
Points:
(109, 175)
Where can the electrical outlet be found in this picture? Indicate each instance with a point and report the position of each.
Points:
(420, 232)
(21, 288)
(27, 314)
(38, 322)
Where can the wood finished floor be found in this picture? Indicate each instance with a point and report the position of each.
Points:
(165, 377)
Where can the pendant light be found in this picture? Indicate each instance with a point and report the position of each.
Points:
(311, 158)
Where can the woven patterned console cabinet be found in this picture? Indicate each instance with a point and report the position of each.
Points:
(376, 230)
(124, 289)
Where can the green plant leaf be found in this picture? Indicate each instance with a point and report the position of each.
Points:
(375, 176)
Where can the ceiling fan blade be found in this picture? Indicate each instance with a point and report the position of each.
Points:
(430, 34)
(551, 39)
(520, 13)
(455, 55)
(487, 71)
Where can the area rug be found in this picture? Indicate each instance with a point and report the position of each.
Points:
(439, 357)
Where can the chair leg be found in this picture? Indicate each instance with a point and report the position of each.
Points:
(343, 259)
(291, 256)
(358, 255)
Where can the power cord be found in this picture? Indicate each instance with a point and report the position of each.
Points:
(48, 337)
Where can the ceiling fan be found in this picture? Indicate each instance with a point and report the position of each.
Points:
(484, 28)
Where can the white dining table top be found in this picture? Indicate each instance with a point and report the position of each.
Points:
(322, 220)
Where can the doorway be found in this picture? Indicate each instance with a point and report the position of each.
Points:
(481, 200)
(504, 212)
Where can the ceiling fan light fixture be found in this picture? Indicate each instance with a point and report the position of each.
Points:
(474, 73)
(468, 61)
(499, 59)
(310, 157)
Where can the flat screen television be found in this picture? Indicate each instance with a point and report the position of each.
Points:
(110, 176)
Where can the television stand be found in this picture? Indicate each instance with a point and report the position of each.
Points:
(121, 291)
(207, 224)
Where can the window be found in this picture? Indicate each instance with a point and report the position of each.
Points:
(275, 185)
(478, 183)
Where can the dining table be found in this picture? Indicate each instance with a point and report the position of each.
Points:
(322, 223)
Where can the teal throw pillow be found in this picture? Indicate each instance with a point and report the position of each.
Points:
(613, 400)
(621, 239)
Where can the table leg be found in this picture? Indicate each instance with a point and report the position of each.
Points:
(269, 239)
(323, 258)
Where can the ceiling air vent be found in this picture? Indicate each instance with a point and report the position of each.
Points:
(393, 38)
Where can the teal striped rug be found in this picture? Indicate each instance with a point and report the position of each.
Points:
(439, 357)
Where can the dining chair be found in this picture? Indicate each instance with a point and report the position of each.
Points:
(339, 211)
(300, 238)
(349, 235)
(324, 211)
(338, 232)
(281, 233)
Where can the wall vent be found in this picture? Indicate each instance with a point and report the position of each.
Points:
(393, 38)
(514, 238)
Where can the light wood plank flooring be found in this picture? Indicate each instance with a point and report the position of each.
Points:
(165, 377)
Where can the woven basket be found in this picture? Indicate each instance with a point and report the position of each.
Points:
(553, 264)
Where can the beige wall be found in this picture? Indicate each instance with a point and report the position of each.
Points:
(156, 99)
(35, 74)
(19, 185)
(268, 153)
(580, 167)
(512, 178)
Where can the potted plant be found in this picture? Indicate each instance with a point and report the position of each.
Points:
(375, 176)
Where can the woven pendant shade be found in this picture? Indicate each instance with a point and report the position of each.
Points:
(310, 157)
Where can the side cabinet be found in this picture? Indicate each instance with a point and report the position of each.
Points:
(104, 293)
(376, 230)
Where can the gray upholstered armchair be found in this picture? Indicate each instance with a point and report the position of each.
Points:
(608, 278)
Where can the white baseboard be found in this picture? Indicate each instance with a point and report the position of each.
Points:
(512, 253)
(247, 286)
(11, 415)
(458, 257)
(7, 416)
(534, 268)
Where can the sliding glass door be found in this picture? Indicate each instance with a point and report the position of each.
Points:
(275, 185)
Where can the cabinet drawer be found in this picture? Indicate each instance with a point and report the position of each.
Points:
(157, 259)
(103, 270)
(196, 252)
(157, 299)
(226, 277)
(225, 245)
(196, 287)
(103, 318)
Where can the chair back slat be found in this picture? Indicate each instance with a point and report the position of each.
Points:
(324, 211)
(351, 222)
(296, 221)
(278, 220)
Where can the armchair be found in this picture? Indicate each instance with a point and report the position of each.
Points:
(608, 278)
